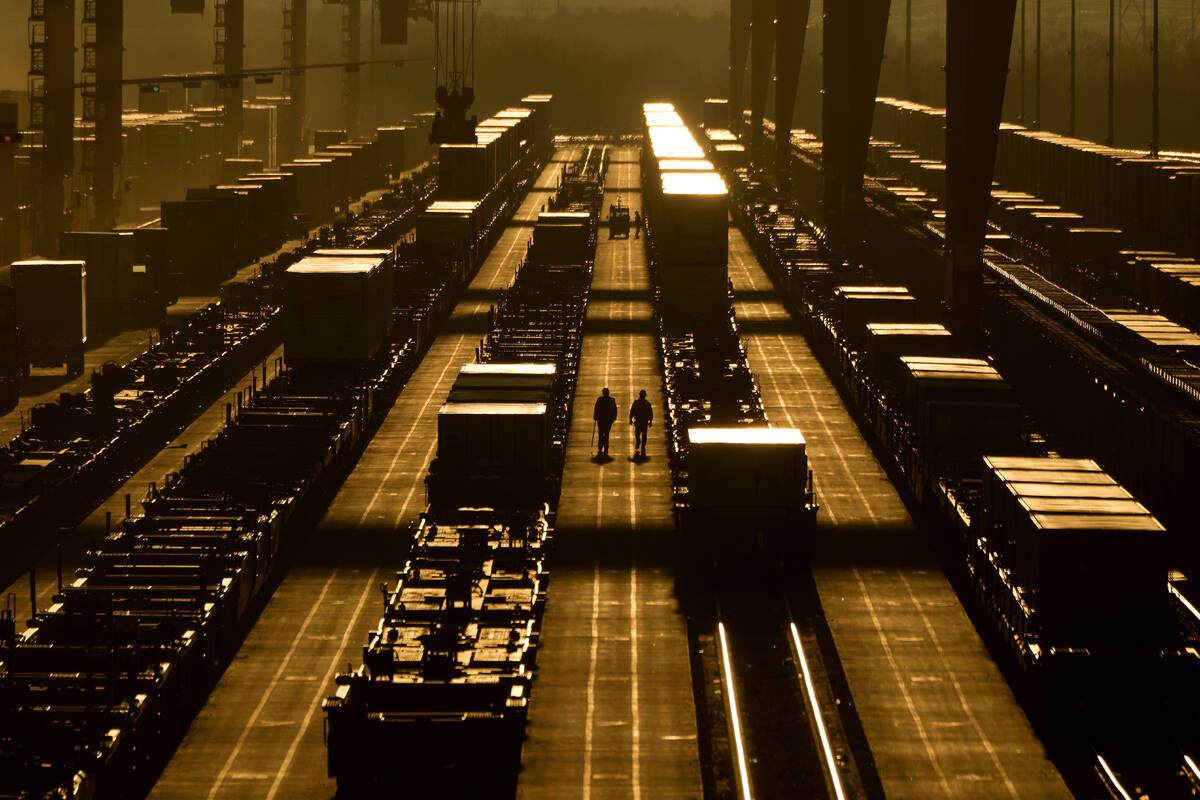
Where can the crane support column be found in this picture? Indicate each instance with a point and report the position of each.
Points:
(762, 47)
(110, 47)
(10, 230)
(978, 40)
(295, 56)
(791, 25)
(230, 60)
(854, 37)
(52, 111)
(352, 51)
(739, 50)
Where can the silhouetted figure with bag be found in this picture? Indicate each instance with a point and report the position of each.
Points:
(605, 414)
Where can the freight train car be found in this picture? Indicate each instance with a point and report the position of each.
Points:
(94, 694)
(714, 411)
(443, 691)
(1067, 571)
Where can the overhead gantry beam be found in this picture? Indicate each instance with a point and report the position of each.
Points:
(739, 50)
(791, 25)
(109, 52)
(230, 33)
(978, 41)
(762, 49)
(854, 36)
(295, 58)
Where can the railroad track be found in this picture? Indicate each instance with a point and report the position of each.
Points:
(783, 710)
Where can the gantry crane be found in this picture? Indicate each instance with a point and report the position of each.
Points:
(454, 59)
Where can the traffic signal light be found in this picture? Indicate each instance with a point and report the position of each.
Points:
(150, 88)
(229, 83)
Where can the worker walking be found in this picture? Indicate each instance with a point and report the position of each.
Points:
(641, 415)
(605, 414)
(639, 225)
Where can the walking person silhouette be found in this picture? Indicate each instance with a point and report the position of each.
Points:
(641, 416)
(605, 414)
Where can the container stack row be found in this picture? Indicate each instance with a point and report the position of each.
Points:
(103, 683)
(1068, 570)
(1080, 200)
(687, 205)
(476, 180)
(219, 228)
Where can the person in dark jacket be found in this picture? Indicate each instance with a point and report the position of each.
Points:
(605, 414)
(641, 415)
(639, 224)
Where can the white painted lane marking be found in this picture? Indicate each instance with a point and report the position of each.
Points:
(266, 695)
(316, 704)
(958, 690)
(895, 670)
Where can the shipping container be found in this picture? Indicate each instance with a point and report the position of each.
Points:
(746, 470)
(336, 309)
(51, 299)
(505, 383)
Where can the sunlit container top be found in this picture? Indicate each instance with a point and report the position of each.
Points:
(871, 290)
(498, 122)
(907, 328)
(1032, 462)
(329, 266)
(508, 369)
(720, 135)
(348, 253)
(1087, 523)
(664, 119)
(494, 409)
(686, 165)
(452, 206)
(1104, 491)
(564, 218)
(1015, 476)
(745, 435)
(693, 183)
(674, 142)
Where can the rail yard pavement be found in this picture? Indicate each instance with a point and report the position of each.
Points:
(169, 459)
(938, 716)
(260, 733)
(612, 714)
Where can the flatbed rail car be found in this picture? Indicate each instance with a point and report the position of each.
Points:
(440, 700)
(77, 448)
(163, 603)
(442, 695)
(169, 596)
(1078, 676)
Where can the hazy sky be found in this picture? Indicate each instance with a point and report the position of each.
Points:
(158, 42)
